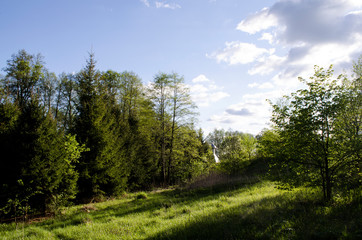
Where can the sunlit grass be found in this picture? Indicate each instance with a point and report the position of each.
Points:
(245, 211)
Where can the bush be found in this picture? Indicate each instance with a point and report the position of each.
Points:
(141, 195)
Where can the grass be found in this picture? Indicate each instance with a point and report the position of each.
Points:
(246, 208)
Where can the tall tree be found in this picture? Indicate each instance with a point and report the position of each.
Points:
(175, 110)
(66, 97)
(182, 112)
(138, 123)
(160, 94)
(348, 132)
(23, 74)
(37, 162)
(308, 123)
(47, 88)
(101, 170)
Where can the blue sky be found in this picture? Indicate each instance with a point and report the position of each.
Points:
(233, 54)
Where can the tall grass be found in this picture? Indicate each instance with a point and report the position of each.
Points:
(240, 209)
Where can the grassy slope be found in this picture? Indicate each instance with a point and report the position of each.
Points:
(246, 209)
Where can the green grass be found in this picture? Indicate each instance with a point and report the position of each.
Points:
(244, 209)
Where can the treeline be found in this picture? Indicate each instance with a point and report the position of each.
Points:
(75, 137)
(78, 137)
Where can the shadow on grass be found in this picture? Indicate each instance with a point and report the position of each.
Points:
(155, 201)
(286, 216)
(275, 218)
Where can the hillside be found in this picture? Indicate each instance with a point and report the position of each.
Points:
(248, 207)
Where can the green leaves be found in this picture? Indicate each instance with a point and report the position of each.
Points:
(309, 125)
(92, 133)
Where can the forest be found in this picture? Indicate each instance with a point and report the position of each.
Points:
(83, 137)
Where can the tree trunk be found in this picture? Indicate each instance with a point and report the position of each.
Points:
(323, 183)
(171, 150)
(328, 180)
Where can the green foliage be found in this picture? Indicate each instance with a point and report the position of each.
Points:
(38, 160)
(91, 135)
(65, 102)
(23, 74)
(141, 195)
(101, 169)
(44, 161)
(314, 144)
(174, 111)
(234, 149)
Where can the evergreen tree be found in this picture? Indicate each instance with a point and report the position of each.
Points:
(101, 169)
(39, 164)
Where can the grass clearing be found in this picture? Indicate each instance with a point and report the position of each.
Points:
(254, 210)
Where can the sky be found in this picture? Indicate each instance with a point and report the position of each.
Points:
(233, 54)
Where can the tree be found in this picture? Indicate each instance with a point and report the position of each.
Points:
(47, 89)
(138, 123)
(66, 96)
(38, 162)
(175, 110)
(23, 73)
(160, 94)
(216, 137)
(307, 123)
(347, 132)
(182, 113)
(231, 154)
(101, 169)
(192, 157)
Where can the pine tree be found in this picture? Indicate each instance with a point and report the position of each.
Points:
(38, 163)
(101, 169)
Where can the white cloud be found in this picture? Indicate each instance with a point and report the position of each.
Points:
(250, 115)
(313, 22)
(268, 65)
(146, 2)
(167, 5)
(200, 78)
(265, 85)
(240, 53)
(300, 34)
(257, 22)
(331, 53)
(304, 33)
(268, 37)
(205, 91)
(161, 4)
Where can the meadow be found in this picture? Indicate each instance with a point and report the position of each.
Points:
(243, 207)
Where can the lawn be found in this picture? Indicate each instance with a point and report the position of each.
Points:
(248, 208)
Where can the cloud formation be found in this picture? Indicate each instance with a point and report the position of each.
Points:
(239, 112)
(292, 36)
(301, 34)
(250, 115)
(146, 2)
(204, 91)
(240, 53)
(167, 5)
(257, 22)
(161, 4)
